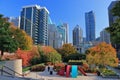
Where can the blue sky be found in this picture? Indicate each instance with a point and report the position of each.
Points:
(68, 11)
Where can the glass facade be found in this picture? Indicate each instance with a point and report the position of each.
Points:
(53, 36)
(43, 27)
(90, 26)
(34, 20)
(77, 35)
(61, 30)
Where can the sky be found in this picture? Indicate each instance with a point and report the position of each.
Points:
(64, 11)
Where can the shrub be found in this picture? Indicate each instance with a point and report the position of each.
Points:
(76, 56)
(38, 68)
(29, 56)
(35, 60)
(108, 72)
(9, 57)
(76, 62)
(58, 66)
(26, 56)
(48, 63)
(85, 67)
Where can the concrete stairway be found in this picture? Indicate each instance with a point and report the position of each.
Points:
(16, 78)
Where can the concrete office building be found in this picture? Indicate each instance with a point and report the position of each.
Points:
(105, 36)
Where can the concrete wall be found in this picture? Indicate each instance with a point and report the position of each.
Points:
(15, 65)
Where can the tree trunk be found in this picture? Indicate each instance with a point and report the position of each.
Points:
(2, 52)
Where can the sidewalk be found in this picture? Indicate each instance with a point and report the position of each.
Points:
(46, 76)
(115, 70)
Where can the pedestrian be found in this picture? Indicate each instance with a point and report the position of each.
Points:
(51, 70)
(48, 68)
(98, 73)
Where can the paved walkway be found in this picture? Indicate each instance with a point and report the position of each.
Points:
(115, 70)
(46, 76)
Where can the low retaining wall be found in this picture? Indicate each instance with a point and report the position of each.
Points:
(15, 65)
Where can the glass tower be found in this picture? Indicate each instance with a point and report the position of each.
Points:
(77, 35)
(90, 26)
(34, 20)
(43, 26)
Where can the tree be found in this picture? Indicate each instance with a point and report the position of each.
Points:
(7, 41)
(116, 10)
(102, 54)
(48, 49)
(114, 29)
(66, 50)
(48, 53)
(54, 57)
(24, 40)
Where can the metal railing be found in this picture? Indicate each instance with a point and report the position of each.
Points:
(3, 71)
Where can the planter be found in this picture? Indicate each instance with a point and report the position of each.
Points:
(107, 76)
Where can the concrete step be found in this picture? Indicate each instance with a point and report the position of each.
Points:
(14, 78)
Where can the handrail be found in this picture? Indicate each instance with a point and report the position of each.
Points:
(5, 72)
(14, 71)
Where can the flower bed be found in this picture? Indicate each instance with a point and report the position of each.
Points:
(58, 66)
(38, 68)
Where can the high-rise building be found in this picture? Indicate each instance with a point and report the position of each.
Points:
(34, 20)
(105, 36)
(66, 32)
(43, 26)
(90, 26)
(15, 21)
(63, 31)
(77, 35)
(111, 17)
(54, 38)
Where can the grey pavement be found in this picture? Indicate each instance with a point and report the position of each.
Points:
(115, 70)
(46, 76)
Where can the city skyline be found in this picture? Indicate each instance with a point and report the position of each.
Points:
(64, 12)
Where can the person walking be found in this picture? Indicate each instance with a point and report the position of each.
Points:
(48, 68)
(51, 70)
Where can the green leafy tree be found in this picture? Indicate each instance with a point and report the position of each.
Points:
(53, 57)
(114, 28)
(7, 41)
(24, 40)
(116, 9)
(48, 54)
(114, 31)
(66, 50)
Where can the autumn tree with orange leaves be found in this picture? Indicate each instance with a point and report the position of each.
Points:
(102, 54)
